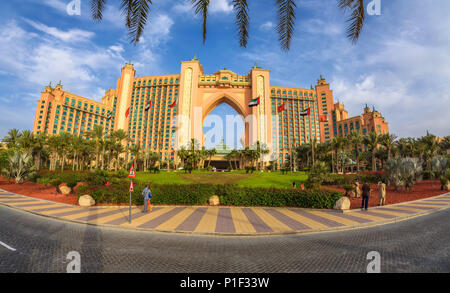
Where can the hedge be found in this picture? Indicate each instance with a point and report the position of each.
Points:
(338, 179)
(198, 194)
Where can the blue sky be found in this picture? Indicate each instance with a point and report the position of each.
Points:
(401, 64)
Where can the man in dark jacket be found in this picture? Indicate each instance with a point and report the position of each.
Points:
(365, 195)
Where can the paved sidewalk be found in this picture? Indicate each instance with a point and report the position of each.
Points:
(227, 220)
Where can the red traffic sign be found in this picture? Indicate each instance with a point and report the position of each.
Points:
(131, 186)
(132, 174)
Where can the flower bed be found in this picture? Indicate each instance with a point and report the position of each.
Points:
(420, 190)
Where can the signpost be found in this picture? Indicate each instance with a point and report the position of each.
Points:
(131, 175)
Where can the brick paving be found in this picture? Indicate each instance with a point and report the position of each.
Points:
(226, 220)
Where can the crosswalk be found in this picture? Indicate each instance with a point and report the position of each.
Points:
(224, 220)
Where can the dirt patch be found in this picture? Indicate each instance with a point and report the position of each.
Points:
(38, 191)
(420, 190)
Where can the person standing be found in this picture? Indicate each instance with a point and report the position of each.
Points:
(365, 196)
(357, 190)
(381, 193)
(145, 194)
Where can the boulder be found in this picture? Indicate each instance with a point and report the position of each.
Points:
(342, 204)
(58, 189)
(86, 201)
(65, 190)
(214, 200)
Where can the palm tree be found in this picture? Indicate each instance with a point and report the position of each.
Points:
(338, 143)
(136, 152)
(64, 142)
(388, 140)
(12, 139)
(120, 135)
(211, 153)
(26, 140)
(356, 140)
(77, 146)
(137, 11)
(97, 135)
(53, 142)
(372, 140)
(38, 148)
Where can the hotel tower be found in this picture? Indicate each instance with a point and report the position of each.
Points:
(164, 112)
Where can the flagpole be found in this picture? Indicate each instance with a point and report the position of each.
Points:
(129, 212)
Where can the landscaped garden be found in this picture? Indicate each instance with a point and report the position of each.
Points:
(63, 168)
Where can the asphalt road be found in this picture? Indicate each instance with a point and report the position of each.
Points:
(41, 245)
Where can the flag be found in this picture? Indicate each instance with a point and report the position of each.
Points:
(148, 105)
(254, 102)
(323, 118)
(305, 112)
(173, 104)
(109, 116)
(281, 108)
(127, 113)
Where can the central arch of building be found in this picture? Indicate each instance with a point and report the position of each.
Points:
(201, 93)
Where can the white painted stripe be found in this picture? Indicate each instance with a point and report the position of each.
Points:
(7, 246)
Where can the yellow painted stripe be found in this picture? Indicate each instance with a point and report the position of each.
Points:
(60, 211)
(397, 214)
(335, 218)
(208, 221)
(40, 207)
(368, 217)
(175, 221)
(88, 212)
(21, 199)
(148, 217)
(124, 213)
(241, 223)
(304, 220)
(425, 206)
(270, 220)
(407, 208)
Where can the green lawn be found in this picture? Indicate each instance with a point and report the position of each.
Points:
(257, 179)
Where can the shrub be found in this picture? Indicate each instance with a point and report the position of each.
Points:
(198, 194)
(247, 196)
(317, 174)
(21, 166)
(348, 188)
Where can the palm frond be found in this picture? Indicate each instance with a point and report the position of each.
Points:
(242, 20)
(357, 17)
(97, 7)
(286, 22)
(136, 12)
(201, 7)
(127, 10)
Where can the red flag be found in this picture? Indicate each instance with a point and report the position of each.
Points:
(281, 108)
(173, 104)
(148, 105)
(127, 113)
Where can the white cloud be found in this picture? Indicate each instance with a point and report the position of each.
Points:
(218, 6)
(72, 35)
(39, 60)
(267, 25)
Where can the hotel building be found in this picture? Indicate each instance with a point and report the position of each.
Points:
(192, 94)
